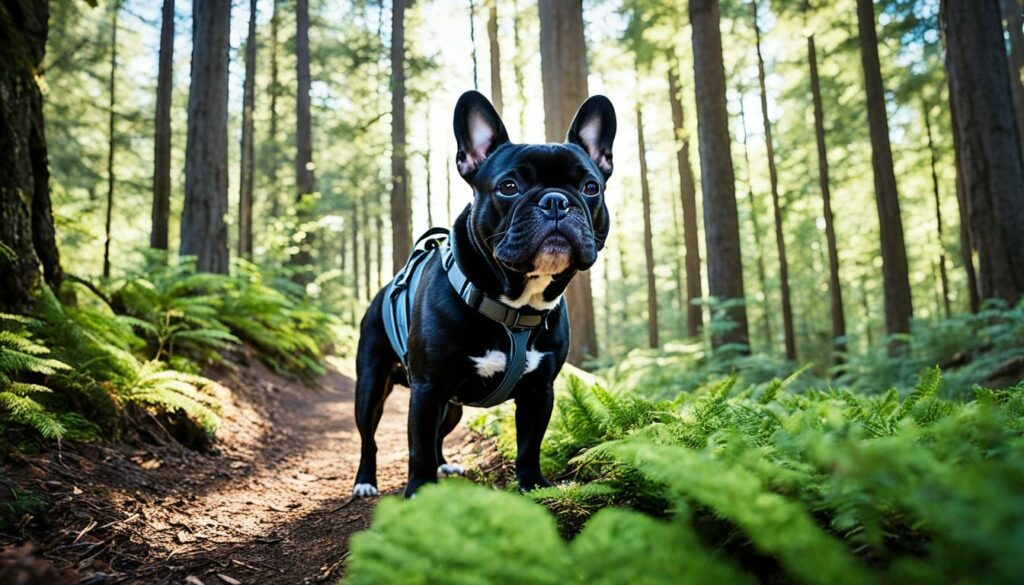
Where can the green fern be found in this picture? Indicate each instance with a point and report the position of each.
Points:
(21, 356)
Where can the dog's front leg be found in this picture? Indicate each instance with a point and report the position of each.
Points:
(425, 409)
(533, 411)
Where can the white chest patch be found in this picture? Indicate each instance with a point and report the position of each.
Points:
(494, 361)
(533, 294)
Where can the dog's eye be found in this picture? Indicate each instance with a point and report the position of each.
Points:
(591, 188)
(508, 187)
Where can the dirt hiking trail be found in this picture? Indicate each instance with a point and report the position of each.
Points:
(270, 504)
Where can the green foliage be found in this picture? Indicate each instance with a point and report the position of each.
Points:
(814, 486)
(176, 308)
(972, 348)
(460, 533)
(21, 356)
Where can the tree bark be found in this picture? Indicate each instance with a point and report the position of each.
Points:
(203, 231)
(28, 247)
(367, 249)
(688, 198)
(159, 234)
(248, 154)
(721, 223)
(834, 286)
(563, 58)
(275, 88)
(472, 44)
(645, 192)
(989, 147)
(895, 279)
(356, 290)
(401, 220)
(517, 70)
(111, 138)
(305, 180)
(426, 163)
(943, 278)
(1015, 30)
(755, 225)
(495, 53)
(966, 248)
(773, 175)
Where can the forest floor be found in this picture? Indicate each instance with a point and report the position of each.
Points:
(270, 504)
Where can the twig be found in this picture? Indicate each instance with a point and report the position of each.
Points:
(88, 527)
(116, 522)
(343, 504)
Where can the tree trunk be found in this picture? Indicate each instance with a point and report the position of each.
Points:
(563, 58)
(721, 223)
(401, 220)
(1014, 17)
(275, 89)
(966, 248)
(645, 192)
(755, 227)
(158, 237)
(943, 278)
(379, 253)
(356, 290)
(517, 71)
(426, 163)
(834, 285)
(780, 240)
(680, 268)
(203, 231)
(367, 249)
(111, 144)
(688, 198)
(28, 247)
(895, 280)
(248, 156)
(988, 143)
(305, 180)
(472, 44)
(495, 51)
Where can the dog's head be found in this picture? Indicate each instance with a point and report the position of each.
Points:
(539, 209)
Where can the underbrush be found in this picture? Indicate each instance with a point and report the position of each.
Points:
(733, 482)
(76, 370)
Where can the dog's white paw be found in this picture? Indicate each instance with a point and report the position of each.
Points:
(364, 490)
(451, 469)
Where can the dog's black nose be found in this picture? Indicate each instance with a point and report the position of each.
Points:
(554, 205)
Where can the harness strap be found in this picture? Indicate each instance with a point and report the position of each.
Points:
(519, 324)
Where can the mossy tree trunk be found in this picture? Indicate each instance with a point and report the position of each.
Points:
(28, 247)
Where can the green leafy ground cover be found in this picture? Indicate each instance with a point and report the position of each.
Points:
(733, 482)
(71, 370)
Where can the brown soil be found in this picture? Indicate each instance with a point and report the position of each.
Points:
(269, 505)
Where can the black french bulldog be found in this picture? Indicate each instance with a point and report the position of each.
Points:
(538, 216)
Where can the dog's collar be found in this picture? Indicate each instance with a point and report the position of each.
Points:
(488, 306)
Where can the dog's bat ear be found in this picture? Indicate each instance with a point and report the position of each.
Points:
(593, 130)
(478, 132)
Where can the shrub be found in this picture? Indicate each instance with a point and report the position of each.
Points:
(823, 486)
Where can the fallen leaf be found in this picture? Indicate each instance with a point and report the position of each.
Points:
(193, 580)
(228, 580)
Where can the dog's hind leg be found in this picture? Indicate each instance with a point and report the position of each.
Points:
(450, 419)
(375, 363)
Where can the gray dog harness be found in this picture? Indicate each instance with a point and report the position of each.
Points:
(520, 324)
